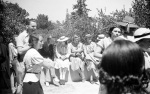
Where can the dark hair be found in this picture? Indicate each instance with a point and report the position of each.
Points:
(30, 20)
(111, 29)
(121, 68)
(32, 38)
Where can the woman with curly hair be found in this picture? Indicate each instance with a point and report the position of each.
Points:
(122, 69)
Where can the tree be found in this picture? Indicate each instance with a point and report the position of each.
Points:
(142, 13)
(13, 20)
(42, 21)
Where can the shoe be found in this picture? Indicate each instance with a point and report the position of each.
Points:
(92, 82)
(56, 81)
(60, 82)
(63, 82)
(47, 84)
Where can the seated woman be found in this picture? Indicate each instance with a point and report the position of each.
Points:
(62, 58)
(91, 62)
(122, 69)
(113, 33)
(76, 56)
(33, 63)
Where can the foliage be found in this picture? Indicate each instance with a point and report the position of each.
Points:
(107, 21)
(142, 13)
(14, 20)
(42, 21)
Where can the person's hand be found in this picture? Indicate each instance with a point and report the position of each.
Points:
(19, 88)
(13, 90)
(78, 54)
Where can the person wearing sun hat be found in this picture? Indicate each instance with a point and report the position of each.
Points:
(127, 26)
(142, 38)
(62, 58)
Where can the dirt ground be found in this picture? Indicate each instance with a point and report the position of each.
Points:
(70, 88)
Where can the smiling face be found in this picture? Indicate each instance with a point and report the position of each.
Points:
(38, 42)
(32, 26)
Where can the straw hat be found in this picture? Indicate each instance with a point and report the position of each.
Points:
(62, 38)
(100, 36)
(127, 21)
(141, 33)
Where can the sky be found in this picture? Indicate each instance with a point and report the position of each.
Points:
(56, 9)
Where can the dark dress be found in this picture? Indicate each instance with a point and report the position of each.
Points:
(5, 86)
(47, 51)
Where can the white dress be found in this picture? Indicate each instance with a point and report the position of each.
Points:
(60, 52)
(76, 62)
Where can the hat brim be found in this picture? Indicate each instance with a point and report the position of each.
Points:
(145, 37)
(65, 39)
(125, 24)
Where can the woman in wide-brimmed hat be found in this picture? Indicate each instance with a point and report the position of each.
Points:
(62, 60)
(142, 37)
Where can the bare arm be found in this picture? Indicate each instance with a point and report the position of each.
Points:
(23, 50)
(48, 63)
(97, 52)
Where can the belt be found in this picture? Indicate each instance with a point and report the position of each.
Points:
(33, 72)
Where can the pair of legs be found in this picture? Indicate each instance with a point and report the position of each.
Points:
(81, 73)
(95, 71)
(17, 78)
(50, 76)
(63, 72)
(92, 67)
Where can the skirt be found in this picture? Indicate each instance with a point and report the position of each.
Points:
(32, 88)
(59, 63)
(76, 63)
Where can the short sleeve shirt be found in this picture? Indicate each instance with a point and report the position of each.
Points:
(33, 57)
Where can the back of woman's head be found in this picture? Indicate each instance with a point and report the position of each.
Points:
(123, 58)
(122, 67)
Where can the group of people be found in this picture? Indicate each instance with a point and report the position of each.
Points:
(120, 60)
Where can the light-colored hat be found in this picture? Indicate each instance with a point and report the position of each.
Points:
(100, 36)
(141, 33)
(88, 35)
(127, 21)
(62, 38)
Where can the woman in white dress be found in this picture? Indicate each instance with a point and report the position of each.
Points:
(62, 58)
(76, 56)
